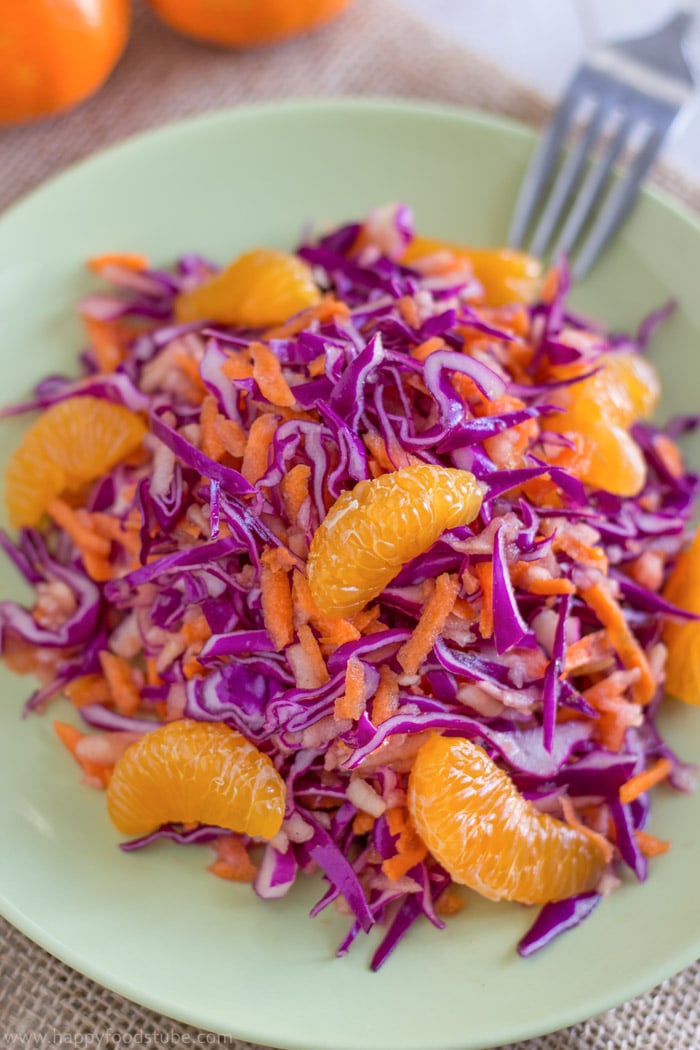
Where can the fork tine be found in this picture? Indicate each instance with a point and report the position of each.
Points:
(542, 164)
(567, 179)
(618, 203)
(591, 189)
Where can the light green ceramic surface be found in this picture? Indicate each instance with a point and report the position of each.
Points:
(154, 926)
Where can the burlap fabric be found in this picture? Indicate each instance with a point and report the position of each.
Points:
(375, 48)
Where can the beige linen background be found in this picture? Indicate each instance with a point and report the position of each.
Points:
(376, 48)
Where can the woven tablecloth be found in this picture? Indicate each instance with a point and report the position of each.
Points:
(375, 48)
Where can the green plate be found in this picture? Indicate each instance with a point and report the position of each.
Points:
(154, 926)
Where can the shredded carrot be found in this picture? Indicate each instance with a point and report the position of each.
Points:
(98, 775)
(599, 598)
(669, 454)
(362, 823)
(328, 308)
(125, 260)
(305, 607)
(523, 575)
(410, 848)
(190, 369)
(429, 627)
(107, 342)
(543, 492)
(593, 652)
(88, 689)
(210, 439)
(110, 528)
(237, 365)
(97, 567)
(406, 306)
(335, 632)
(312, 651)
(267, 372)
(650, 845)
(277, 607)
(518, 437)
(449, 903)
(377, 447)
(68, 735)
(317, 367)
(611, 728)
(386, 699)
(191, 668)
(257, 447)
(605, 694)
(152, 676)
(617, 713)
(637, 785)
(295, 489)
(581, 552)
(78, 528)
(231, 435)
(332, 632)
(122, 687)
(233, 862)
(463, 609)
(550, 285)
(351, 703)
(196, 630)
(572, 820)
(484, 573)
(396, 818)
(427, 347)
(365, 618)
(280, 559)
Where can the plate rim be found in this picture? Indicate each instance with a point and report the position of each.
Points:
(371, 104)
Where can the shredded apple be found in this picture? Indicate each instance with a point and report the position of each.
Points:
(363, 559)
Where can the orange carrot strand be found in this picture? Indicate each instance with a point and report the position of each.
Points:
(642, 782)
(267, 372)
(606, 608)
(121, 684)
(255, 457)
(429, 627)
(351, 703)
(650, 845)
(484, 573)
(277, 606)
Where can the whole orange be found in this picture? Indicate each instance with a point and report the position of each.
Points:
(245, 23)
(54, 53)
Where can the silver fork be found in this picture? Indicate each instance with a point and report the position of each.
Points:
(624, 100)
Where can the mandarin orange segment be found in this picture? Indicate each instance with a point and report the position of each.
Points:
(261, 288)
(615, 461)
(683, 637)
(72, 443)
(372, 530)
(490, 838)
(600, 408)
(507, 276)
(624, 388)
(196, 772)
(640, 381)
